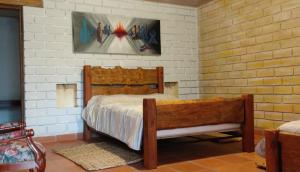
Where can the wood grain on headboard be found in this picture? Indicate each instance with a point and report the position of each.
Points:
(118, 80)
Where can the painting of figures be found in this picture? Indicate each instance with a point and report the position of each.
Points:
(98, 33)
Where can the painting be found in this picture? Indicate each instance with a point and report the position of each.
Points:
(108, 34)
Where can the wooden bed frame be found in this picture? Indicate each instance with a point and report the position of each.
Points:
(160, 116)
(282, 151)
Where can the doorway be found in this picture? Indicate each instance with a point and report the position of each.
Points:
(11, 65)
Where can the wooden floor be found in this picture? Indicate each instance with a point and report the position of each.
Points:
(175, 155)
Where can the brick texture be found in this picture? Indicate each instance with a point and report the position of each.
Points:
(252, 46)
(49, 57)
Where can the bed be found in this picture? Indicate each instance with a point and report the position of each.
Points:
(168, 118)
(283, 148)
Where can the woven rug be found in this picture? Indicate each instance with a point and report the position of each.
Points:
(98, 156)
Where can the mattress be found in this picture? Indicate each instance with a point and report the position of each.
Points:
(121, 117)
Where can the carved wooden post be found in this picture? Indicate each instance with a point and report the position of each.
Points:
(272, 152)
(150, 140)
(160, 79)
(248, 126)
(87, 80)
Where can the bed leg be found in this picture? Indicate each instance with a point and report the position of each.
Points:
(149, 137)
(272, 151)
(248, 126)
(87, 133)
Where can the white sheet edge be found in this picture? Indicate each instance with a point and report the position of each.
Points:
(190, 131)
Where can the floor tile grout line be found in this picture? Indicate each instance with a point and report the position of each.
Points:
(202, 166)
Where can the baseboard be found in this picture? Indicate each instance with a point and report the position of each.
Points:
(59, 138)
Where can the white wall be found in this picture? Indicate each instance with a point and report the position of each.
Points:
(49, 58)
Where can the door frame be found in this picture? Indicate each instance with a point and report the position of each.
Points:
(21, 53)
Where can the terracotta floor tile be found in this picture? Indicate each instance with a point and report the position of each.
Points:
(160, 169)
(119, 169)
(250, 156)
(244, 167)
(187, 167)
(211, 163)
(174, 155)
(233, 158)
(53, 167)
(52, 156)
(227, 169)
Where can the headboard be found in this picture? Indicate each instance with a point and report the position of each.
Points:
(118, 80)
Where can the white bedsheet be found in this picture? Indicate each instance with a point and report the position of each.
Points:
(120, 116)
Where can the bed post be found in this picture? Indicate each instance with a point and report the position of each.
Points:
(87, 133)
(149, 137)
(160, 79)
(248, 126)
(272, 152)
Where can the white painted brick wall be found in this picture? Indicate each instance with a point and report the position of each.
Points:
(49, 57)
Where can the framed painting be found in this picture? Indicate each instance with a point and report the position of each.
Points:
(108, 34)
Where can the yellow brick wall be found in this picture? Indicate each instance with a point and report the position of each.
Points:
(253, 46)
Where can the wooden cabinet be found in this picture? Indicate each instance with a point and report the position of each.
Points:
(34, 3)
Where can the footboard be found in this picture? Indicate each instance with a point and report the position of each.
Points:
(191, 113)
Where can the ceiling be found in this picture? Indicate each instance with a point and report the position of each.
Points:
(192, 3)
